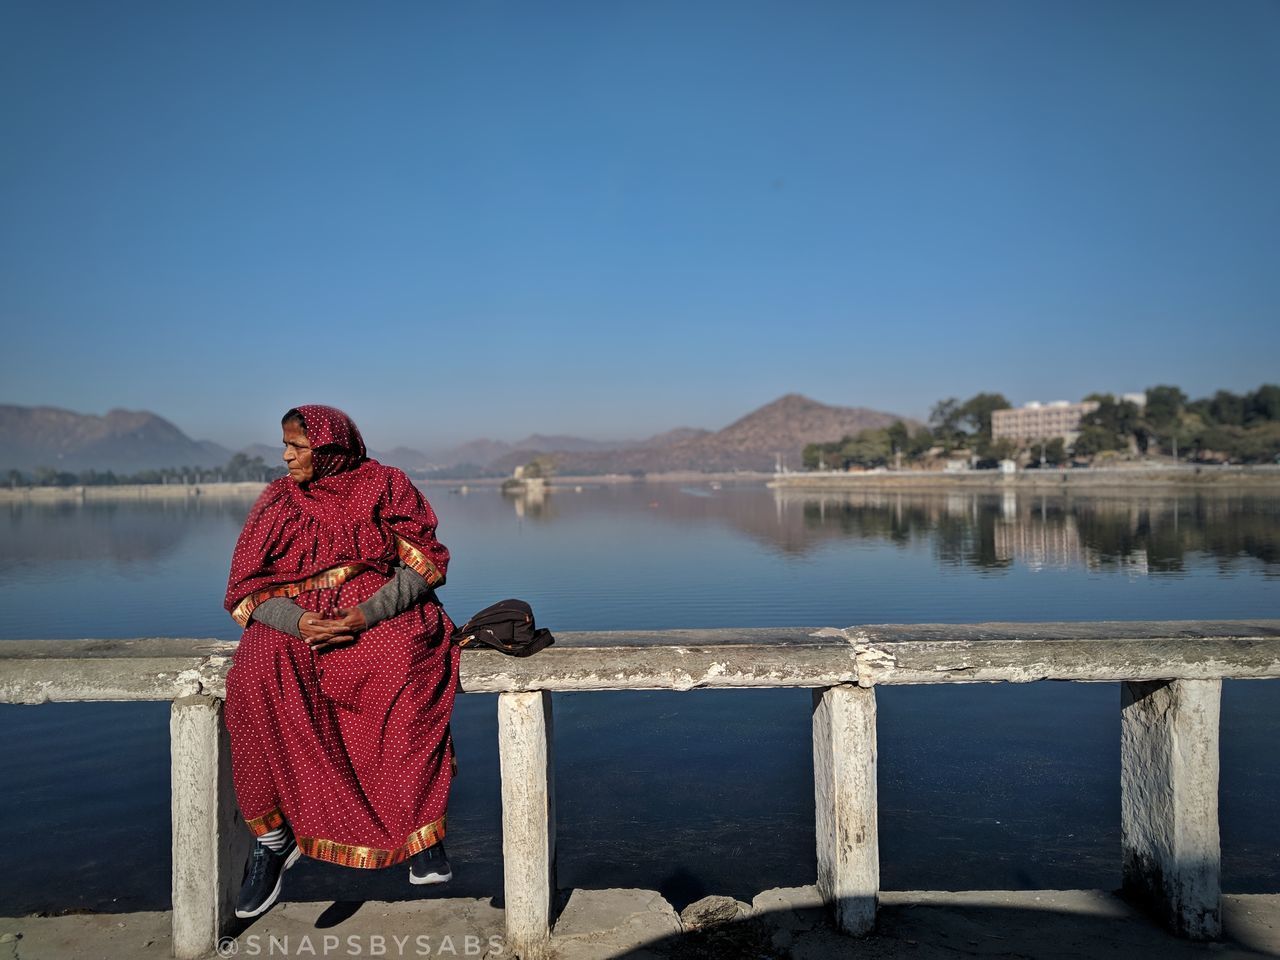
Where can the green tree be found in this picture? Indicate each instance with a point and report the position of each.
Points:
(1113, 424)
(899, 437)
(1164, 407)
(921, 443)
(1227, 409)
(1263, 404)
(945, 419)
(1093, 439)
(1002, 449)
(870, 448)
(1055, 451)
(977, 411)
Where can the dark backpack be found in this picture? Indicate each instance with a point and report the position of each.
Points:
(507, 626)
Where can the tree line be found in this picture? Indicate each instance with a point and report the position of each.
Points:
(239, 468)
(1239, 428)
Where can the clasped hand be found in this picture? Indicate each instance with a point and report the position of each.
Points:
(322, 634)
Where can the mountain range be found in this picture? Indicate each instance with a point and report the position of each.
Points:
(128, 441)
(125, 441)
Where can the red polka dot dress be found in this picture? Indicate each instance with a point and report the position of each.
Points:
(351, 746)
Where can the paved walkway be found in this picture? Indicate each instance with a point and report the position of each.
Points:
(787, 924)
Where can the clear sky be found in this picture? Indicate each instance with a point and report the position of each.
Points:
(610, 218)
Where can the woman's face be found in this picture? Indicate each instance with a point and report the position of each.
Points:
(297, 454)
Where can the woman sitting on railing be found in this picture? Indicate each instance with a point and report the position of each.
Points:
(339, 698)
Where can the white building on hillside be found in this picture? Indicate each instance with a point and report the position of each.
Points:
(1045, 421)
(1041, 421)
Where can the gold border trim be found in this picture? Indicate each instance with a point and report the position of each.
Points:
(416, 560)
(266, 823)
(372, 858)
(334, 577)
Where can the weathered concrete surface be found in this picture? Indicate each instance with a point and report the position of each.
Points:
(788, 923)
(210, 844)
(146, 668)
(610, 923)
(844, 783)
(525, 738)
(1098, 651)
(1169, 801)
(37, 671)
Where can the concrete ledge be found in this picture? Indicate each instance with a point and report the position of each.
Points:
(40, 671)
(788, 922)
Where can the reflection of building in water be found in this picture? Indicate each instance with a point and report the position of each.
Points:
(1009, 506)
(1135, 562)
(1039, 545)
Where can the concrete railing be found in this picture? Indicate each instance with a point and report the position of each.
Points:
(1171, 674)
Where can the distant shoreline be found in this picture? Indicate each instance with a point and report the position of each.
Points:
(249, 490)
(132, 491)
(1126, 478)
(1118, 478)
(617, 479)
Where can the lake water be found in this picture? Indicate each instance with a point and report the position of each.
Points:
(690, 793)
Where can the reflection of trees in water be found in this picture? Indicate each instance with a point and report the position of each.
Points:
(990, 532)
(1165, 530)
(1137, 533)
(962, 530)
(118, 532)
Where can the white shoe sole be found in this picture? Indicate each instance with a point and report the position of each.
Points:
(275, 894)
(430, 878)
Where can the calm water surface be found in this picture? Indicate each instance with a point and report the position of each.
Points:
(693, 793)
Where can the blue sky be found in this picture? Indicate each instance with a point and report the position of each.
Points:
(610, 219)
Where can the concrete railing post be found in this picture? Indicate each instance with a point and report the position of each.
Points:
(210, 844)
(527, 763)
(844, 773)
(1169, 801)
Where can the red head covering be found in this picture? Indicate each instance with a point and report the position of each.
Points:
(353, 511)
(336, 444)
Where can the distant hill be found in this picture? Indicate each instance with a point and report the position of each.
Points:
(478, 453)
(678, 435)
(484, 454)
(128, 441)
(754, 442)
(125, 441)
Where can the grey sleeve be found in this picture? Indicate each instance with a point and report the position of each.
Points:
(406, 588)
(280, 613)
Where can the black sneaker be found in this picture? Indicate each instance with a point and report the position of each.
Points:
(430, 866)
(263, 876)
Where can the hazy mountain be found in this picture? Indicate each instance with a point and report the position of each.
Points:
(479, 453)
(678, 435)
(485, 453)
(792, 421)
(406, 458)
(545, 444)
(127, 441)
(123, 440)
(269, 453)
(754, 442)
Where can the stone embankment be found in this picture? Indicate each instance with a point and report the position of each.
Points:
(1129, 479)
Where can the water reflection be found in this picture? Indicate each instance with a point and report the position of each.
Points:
(120, 533)
(1136, 535)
